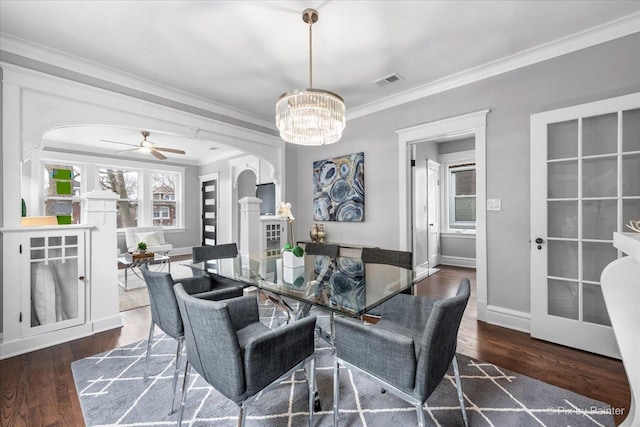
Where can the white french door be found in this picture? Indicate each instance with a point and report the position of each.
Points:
(585, 185)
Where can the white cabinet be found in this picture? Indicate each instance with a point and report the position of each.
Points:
(272, 235)
(46, 294)
(52, 277)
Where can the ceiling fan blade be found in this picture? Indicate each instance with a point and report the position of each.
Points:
(170, 150)
(117, 142)
(157, 154)
(129, 149)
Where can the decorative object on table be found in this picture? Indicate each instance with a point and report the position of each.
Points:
(310, 116)
(313, 233)
(338, 189)
(24, 209)
(634, 225)
(321, 233)
(142, 247)
(136, 256)
(290, 250)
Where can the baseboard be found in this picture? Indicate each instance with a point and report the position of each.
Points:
(458, 261)
(508, 318)
(107, 323)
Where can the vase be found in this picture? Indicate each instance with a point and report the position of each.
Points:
(289, 260)
(313, 233)
(321, 233)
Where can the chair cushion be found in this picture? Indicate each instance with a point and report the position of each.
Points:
(151, 238)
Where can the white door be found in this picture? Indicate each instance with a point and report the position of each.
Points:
(585, 185)
(420, 217)
(433, 212)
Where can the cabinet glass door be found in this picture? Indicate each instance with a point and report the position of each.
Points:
(54, 264)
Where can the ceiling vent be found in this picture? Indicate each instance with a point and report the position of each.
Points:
(213, 148)
(391, 78)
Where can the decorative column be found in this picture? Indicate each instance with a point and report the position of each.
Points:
(99, 210)
(621, 289)
(249, 225)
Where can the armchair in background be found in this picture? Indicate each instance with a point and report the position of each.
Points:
(152, 236)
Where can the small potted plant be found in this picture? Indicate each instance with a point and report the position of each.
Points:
(142, 247)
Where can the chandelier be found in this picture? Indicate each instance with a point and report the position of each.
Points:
(310, 116)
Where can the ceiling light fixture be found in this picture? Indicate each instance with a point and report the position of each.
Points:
(310, 116)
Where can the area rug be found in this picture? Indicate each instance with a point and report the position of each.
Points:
(113, 392)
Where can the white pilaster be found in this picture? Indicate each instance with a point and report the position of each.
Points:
(99, 209)
(249, 224)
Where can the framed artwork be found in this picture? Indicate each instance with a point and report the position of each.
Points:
(338, 189)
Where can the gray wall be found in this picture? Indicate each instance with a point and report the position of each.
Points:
(457, 145)
(603, 71)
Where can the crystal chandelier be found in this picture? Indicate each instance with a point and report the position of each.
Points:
(310, 116)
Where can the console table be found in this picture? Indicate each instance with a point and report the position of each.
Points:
(621, 289)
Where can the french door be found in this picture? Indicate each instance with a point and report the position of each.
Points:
(585, 185)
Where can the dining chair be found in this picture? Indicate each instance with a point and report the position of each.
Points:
(386, 256)
(166, 314)
(408, 352)
(239, 356)
(322, 249)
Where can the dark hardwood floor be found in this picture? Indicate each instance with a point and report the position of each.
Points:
(38, 389)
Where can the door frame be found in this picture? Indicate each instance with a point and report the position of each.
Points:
(472, 123)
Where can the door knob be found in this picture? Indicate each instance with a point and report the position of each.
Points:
(539, 241)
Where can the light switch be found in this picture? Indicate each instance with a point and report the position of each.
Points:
(494, 204)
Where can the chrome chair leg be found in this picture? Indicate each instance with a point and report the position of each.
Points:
(311, 380)
(336, 392)
(422, 419)
(183, 398)
(146, 362)
(175, 373)
(459, 387)
(241, 417)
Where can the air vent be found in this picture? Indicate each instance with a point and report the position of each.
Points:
(213, 148)
(391, 78)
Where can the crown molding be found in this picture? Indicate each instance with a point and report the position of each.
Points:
(603, 33)
(92, 69)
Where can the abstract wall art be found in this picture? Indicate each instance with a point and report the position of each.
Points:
(338, 189)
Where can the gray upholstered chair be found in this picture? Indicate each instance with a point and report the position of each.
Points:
(239, 356)
(408, 351)
(166, 314)
(386, 256)
(322, 249)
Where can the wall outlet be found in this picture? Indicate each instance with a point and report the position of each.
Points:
(494, 204)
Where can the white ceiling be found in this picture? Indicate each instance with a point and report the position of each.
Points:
(244, 54)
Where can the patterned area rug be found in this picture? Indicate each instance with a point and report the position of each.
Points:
(113, 392)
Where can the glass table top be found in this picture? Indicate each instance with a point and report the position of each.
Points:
(341, 284)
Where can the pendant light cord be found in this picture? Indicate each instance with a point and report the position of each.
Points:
(310, 51)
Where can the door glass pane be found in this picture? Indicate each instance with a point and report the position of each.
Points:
(563, 181)
(630, 211)
(563, 219)
(631, 175)
(595, 257)
(563, 259)
(600, 135)
(599, 177)
(54, 291)
(594, 309)
(563, 299)
(562, 140)
(631, 130)
(599, 219)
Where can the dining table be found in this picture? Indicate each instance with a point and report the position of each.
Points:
(340, 285)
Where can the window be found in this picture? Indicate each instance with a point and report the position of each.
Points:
(125, 184)
(461, 194)
(164, 186)
(62, 189)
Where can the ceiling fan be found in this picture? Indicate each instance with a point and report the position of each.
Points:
(147, 147)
